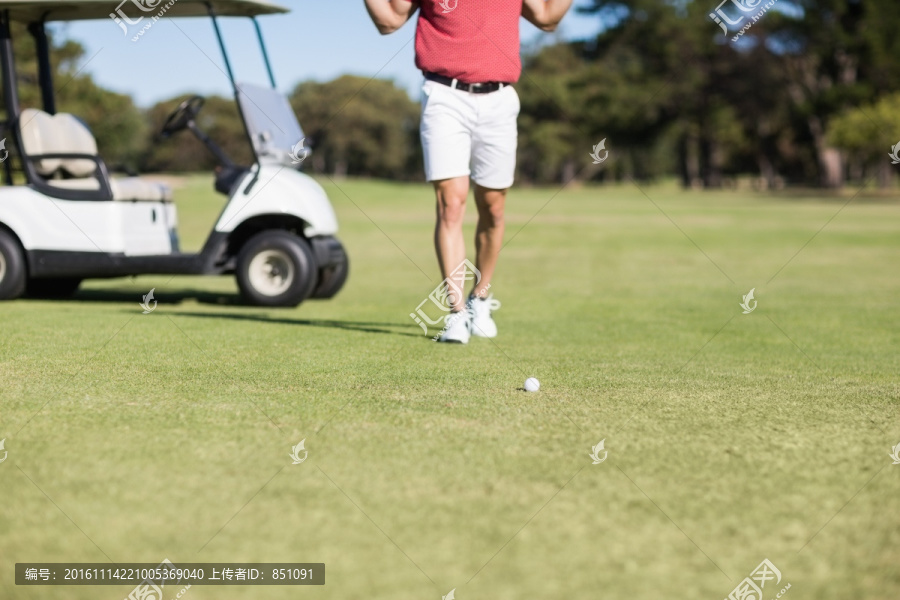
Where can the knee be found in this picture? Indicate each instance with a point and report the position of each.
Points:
(491, 210)
(451, 205)
(493, 213)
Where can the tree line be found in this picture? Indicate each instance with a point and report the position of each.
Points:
(801, 92)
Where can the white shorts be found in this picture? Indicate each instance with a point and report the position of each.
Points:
(470, 134)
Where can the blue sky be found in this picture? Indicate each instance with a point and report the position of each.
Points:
(317, 40)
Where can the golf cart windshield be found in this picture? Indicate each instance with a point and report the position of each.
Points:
(276, 135)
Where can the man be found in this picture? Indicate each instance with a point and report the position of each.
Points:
(468, 51)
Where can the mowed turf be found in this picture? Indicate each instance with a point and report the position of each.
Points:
(731, 437)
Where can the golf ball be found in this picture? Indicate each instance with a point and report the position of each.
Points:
(532, 385)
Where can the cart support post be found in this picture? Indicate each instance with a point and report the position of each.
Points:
(215, 22)
(45, 72)
(265, 52)
(10, 90)
(234, 85)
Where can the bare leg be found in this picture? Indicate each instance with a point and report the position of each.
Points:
(448, 235)
(489, 234)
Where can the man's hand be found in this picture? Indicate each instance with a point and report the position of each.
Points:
(391, 15)
(545, 14)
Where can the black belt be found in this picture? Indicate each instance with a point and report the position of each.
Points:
(473, 88)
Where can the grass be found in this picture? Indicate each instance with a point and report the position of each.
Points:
(732, 438)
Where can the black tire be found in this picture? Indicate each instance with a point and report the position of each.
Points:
(332, 279)
(13, 272)
(276, 268)
(59, 287)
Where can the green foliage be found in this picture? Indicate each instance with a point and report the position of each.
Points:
(866, 134)
(868, 130)
(663, 73)
(359, 126)
(117, 124)
(183, 152)
(549, 136)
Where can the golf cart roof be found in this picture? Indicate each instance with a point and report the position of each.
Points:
(77, 10)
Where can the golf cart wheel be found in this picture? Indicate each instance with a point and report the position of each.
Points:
(60, 287)
(13, 274)
(332, 279)
(276, 268)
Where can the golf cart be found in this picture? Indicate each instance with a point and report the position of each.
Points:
(71, 220)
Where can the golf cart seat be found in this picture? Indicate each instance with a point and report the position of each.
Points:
(62, 138)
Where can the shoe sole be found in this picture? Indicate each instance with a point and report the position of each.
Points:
(478, 332)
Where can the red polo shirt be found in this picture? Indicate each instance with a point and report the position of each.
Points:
(474, 41)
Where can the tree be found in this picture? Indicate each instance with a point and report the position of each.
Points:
(865, 134)
(837, 55)
(799, 65)
(553, 141)
(117, 124)
(359, 126)
(183, 152)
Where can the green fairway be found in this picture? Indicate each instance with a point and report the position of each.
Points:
(731, 437)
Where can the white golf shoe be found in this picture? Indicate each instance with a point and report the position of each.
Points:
(457, 329)
(482, 322)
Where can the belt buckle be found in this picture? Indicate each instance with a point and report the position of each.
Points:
(477, 88)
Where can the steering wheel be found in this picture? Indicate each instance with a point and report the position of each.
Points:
(185, 113)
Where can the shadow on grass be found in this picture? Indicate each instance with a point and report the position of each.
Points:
(365, 327)
(230, 300)
(89, 295)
